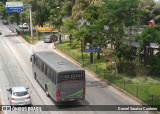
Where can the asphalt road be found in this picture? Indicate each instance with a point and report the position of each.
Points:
(15, 70)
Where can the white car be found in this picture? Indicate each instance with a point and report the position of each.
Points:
(24, 26)
(19, 96)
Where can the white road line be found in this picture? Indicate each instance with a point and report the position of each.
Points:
(30, 51)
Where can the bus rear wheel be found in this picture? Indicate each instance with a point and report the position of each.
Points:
(46, 91)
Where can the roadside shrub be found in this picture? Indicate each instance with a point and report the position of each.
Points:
(74, 43)
(154, 71)
(143, 70)
(155, 60)
(110, 66)
(126, 68)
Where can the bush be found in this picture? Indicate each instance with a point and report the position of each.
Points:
(155, 70)
(127, 68)
(110, 66)
(74, 43)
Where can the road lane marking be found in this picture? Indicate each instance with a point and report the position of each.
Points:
(30, 51)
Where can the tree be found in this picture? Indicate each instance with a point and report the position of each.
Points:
(2, 10)
(149, 35)
(147, 8)
(120, 14)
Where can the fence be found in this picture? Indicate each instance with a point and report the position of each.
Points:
(148, 93)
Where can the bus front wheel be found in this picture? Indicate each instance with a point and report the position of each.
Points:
(46, 91)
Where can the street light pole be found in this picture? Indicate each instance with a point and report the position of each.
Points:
(30, 15)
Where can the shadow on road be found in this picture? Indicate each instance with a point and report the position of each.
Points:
(11, 35)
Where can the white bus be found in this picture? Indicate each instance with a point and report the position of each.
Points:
(61, 79)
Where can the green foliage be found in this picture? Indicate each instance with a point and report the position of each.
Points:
(127, 68)
(109, 59)
(154, 70)
(126, 11)
(75, 42)
(3, 10)
(91, 13)
(77, 9)
(154, 60)
(150, 35)
(67, 8)
(108, 54)
(69, 25)
(124, 52)
(2, 7)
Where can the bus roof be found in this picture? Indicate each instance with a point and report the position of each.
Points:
(57, 62)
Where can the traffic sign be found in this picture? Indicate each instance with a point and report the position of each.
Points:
(14, 6)
(93, 49)
(14, 9)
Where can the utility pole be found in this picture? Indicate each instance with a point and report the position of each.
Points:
(30, 15)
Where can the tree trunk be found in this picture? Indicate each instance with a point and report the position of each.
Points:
(83, 45)
(91, 57)
(70, 39)
(81, 49)
(98, 55)
(60, 39)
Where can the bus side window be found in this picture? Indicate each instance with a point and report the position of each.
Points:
(45, 70)
(42, 66)
(49, 72)
(52, 75)
(55, 77)
(38, 63)
(34, 60)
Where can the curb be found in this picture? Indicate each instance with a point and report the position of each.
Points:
(116, 87)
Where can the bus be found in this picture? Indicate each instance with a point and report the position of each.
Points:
(61, 79)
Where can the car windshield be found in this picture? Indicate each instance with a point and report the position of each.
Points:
(22, 93)
(47, 37)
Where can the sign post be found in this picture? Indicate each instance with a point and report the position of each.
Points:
(14, 7)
